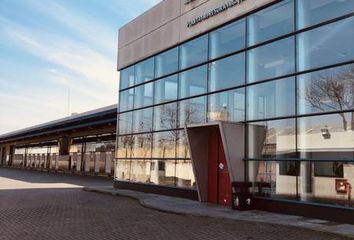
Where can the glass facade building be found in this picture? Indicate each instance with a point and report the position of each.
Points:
(285, 71)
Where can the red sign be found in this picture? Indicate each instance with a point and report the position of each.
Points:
(342, 186)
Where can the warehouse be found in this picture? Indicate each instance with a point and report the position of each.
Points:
(82, 144)
(256, 98)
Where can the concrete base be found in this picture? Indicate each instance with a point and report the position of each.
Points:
(155, 189)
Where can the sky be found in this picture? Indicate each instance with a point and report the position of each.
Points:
(58, 57)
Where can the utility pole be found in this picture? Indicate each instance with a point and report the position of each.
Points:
(68, 101)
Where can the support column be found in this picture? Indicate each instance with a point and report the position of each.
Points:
(64, 161)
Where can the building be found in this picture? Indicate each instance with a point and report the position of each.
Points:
(253, 93)
(83, 143)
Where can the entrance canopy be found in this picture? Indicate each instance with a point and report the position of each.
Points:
(232, 137)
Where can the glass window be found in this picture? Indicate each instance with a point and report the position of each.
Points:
(326, 45)
(228, 39)
(184, 174)
(164, 145)
(145, 71)
(125, 123)
(140, 171)
(289, 168)
(328, 169)
(142, 120)
(126, 99)
(165, 117)
(143, 95)
(193, 82)
(323, 182)
(194, 52)
(227, 106)
(192, 111)
(271, 22)
(272, 139)
(127, 77)
(182, 150)
(327, 136)
(122, 171)
(273, 60)
(142, 146)
(327, 90)
(125, 146)
(268, 180)
(227, 73)
(166, 89)
(271, 99)
(163, 172)
(311, 12)
(319, 182)
(167, 62)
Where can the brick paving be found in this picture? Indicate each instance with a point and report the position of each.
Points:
(52, 206)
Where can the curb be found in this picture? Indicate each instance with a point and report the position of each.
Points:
(142, 201)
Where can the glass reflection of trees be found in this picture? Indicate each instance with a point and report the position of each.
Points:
(329, 90)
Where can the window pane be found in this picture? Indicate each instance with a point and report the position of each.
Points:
(328, 169)
(166, 89)
(272, 139)
(127, 77)
(271, 22)
(228, 39)
(194, 52)
(142, 120)
(319, 180)
(182, 145)
(145, 71)
(125, 123)
(227, 73)
(140, 171)
(227, 106)
(126, 99)
(143, 95)
(326, 45)
(328, 90)
(271, 99)
(163, 172)
(142, 146)
(268, 180)
(184, 174)
(165, 117)
(316, 182)
(164, 145)
(167, 62)
(311, 12)
(193, 82)
(327, 136)
(273, 60)
(192, 111)
(122, 171)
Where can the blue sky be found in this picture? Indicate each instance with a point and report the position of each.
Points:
(50, 48)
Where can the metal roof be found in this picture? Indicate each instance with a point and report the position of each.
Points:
(63, 122)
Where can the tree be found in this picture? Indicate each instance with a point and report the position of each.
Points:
(333, 91)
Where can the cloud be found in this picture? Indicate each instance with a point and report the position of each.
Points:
(89, 74)
(88, 28)
(71, 54)
(60, 46)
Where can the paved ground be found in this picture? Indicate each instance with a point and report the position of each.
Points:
(198, 209)
(36, 206)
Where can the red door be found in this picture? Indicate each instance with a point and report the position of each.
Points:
(219, 186)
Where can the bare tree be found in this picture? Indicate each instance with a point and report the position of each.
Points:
(333, 91)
